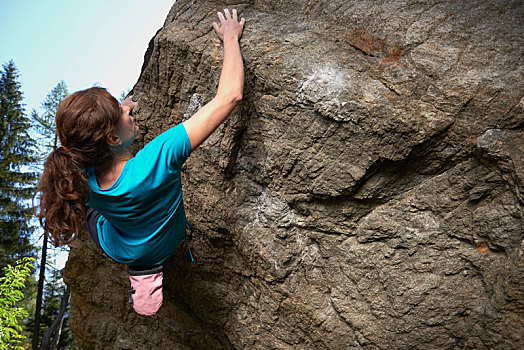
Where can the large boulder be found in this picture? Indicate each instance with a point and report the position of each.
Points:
(368, 191)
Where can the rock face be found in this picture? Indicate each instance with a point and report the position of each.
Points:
(368, 192)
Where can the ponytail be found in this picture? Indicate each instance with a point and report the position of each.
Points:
(64, 195)
(84, 121)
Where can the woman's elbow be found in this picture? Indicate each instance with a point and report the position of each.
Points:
(235, 95)
(236, 98)
(231, 97)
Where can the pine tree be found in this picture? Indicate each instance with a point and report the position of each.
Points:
(52, 300)
(45, 123)
(17, 185)
(45, 310)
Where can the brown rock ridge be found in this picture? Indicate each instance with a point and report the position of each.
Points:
(367, 193)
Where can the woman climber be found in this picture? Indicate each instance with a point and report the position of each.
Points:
(131, 206)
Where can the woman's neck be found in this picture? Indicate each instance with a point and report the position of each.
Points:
(108, 172)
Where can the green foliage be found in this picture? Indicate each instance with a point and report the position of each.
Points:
(16, 183)
(124, 94)
(54, 290)
(28, 304)
(11, 292)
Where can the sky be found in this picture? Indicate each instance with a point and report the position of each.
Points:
(81, 42)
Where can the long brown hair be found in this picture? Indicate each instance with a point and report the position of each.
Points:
(84, 121)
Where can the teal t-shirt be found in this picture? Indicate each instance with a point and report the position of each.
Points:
(143, 219)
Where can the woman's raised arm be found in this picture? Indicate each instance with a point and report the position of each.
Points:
(230, 87)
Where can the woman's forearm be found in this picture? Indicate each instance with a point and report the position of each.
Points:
(230, 87)
(231, 84)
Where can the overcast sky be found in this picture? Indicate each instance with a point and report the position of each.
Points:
(80, 42)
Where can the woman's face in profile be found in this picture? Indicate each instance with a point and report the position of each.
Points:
(127, 129)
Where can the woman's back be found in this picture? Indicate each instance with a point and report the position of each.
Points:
(143, 207)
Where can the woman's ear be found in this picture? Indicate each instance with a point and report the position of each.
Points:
(113, 140)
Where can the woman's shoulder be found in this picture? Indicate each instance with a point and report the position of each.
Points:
(172, 145)
(167, 135)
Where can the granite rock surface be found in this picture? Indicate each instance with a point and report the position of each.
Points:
(367, 193)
